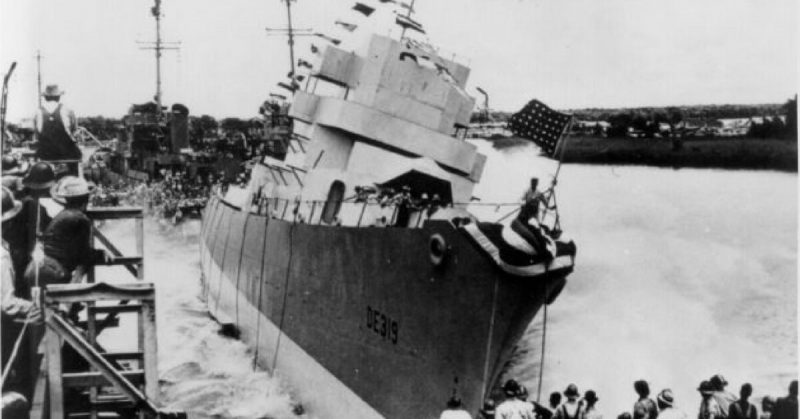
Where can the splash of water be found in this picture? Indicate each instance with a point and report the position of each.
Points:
(201, 371)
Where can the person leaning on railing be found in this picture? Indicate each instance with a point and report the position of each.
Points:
(67, 247)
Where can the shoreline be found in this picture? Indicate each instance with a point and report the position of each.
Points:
(737, 153)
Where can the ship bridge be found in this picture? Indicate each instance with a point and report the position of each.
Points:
(388, 105)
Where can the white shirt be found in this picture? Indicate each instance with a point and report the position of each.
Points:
(455, 414)
(671, 413)
(67, 116)
(514, 409)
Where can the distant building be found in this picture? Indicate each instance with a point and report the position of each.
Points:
(497, 129)
(590, 128)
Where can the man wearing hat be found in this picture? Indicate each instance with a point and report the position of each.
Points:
(645, 407)
(723, 397)
(23, 231)
(11, 305)
(54, 125)
(571, 409)
(455, 410)
(590, 411)
(512, 407)
(666, 408)
(709, 408)
(66, 241)
(15, 310)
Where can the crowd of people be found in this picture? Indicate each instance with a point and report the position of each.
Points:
(715, 403)
(173, 197)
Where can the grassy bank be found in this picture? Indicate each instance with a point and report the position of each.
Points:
(727, 153)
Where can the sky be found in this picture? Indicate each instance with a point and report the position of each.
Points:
(568, 53)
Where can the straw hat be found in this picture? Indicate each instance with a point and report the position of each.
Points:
(70, 187)
(11, 207)
(52, 90)
(666, 397)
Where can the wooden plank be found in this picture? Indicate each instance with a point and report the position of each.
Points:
(125, 260)
(140, 247)
(134, 355)
(75, 293)
(114, 213)
(92, 334)
(150, 346)
(128, 308)
(53, 344)
(96, 379)
(40, 403)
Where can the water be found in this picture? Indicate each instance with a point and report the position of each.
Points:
(201, 371)
(681, 274)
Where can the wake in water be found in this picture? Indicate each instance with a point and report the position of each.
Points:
(202, 372)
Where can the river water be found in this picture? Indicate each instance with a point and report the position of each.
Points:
(680, 274)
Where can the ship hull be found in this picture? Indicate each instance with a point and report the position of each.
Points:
(358, 320)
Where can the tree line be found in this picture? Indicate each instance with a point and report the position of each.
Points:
(648, 120)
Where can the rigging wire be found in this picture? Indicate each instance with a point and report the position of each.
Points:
(285, 295)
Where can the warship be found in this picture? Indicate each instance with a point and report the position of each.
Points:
(353, 265)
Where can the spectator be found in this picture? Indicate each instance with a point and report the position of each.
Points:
(786, 407)
(570, 409)
(455, 410)
(590, 411)
(645, 407)
(723, 397)
(54, 126)
(743, 409)
(666, 409)
(512, 407)
(767, 405)
(709, 408)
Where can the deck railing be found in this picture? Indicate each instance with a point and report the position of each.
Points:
(370, 212)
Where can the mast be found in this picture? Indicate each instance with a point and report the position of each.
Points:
(291, 36)
(39, 75)
(291, 33)
(159, 46)
(157, 15)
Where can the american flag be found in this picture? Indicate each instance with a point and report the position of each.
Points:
(540, 124)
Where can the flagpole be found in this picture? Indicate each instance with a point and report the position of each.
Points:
(563, 146)
(551, 192)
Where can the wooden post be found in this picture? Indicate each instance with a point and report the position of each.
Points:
(140, 245)
(53, 351)
(150, 347)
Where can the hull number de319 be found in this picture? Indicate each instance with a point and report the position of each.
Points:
(382, 325)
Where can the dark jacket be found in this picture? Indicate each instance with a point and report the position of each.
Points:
(67, 239)
(785, 408)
